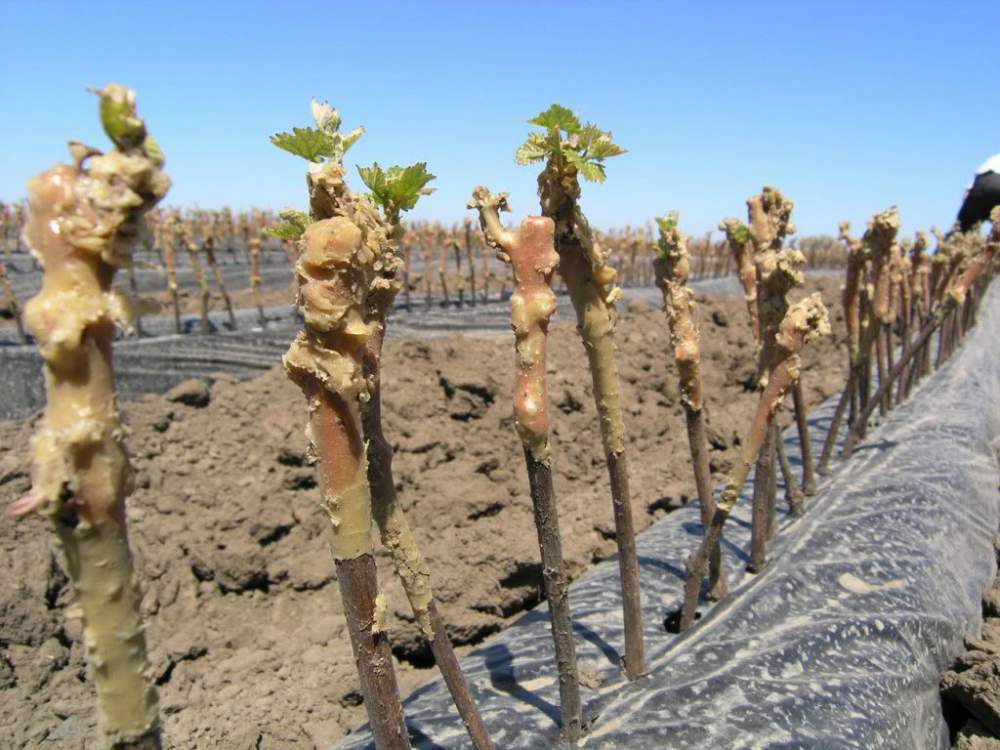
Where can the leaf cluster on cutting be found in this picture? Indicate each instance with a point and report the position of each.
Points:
(668, 226)
(293, 224)
(394, 189)
(569, 142)
(397, 188)
(325, 141)
(739, 232)
(667, 223)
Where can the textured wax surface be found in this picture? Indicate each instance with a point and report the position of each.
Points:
(839, 643)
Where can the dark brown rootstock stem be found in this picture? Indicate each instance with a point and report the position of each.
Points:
(205, 297)
(469, 261)
(915, 368)
(177, 310)
(857, 429)
(805, 445)
(971, 305)
(855, 396)
(925, 354)
(556, 593)
(333, 425)
(220, 285)
(904, 338)
(358, 589)
(944, 340)
(883, 405)
(889, 361)
(718, 587)
(594, 325)
(760, 521)
(134, 291)
(444, 656)
(846, 396)
(956, 331)
(628, 565)
(772, 486)
(692, 584)
(794, 495)
(782, 375)
(382, 486)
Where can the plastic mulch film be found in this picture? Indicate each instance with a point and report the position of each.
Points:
(838, 643)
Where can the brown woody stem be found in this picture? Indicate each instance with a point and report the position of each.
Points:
(590, 283)
(209, 244)
(671, 269)
(532, 258)
(325, 360)
(803, 322)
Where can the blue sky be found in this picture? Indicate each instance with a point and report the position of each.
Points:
(849, 107)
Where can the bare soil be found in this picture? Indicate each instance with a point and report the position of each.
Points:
(970, 691)
(248, 643)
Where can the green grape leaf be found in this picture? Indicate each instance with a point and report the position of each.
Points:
(591, 171)
(294, 224)
(309, 143)
(667, 223)
(596, 144)
(397, 188)
(534, 149)
(344, 142)
(557, 117)
(285, 231)
(374, 178)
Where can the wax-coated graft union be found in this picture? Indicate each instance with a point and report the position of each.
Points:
(85, 219)
(531, 255)
(804, 321)
(570, 150)
(672, 269)
(346, 270)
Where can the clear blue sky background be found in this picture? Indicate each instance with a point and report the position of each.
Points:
(848, 107)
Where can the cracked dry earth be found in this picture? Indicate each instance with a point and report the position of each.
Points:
(248, 642)
(970, 691)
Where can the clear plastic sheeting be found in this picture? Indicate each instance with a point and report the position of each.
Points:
(838, 643)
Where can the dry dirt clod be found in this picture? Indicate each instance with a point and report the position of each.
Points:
(978, 690)
(193, 392)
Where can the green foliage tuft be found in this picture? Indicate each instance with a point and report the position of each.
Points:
(118, 115)
(568, 143)
(667, 223)
(532, 150)
(557, 117)
(309, 143)
(596, 144)
(294, 224)
(741, 234)
(325, 141)
(397, 188)
(670, 234)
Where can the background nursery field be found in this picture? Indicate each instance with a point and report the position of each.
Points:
(635, 395)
